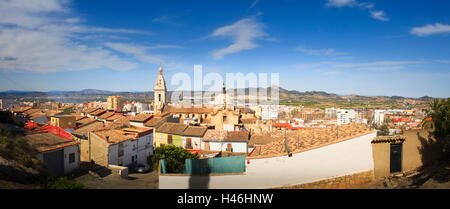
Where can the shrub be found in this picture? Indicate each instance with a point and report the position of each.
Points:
(174, 156)
(65, 183)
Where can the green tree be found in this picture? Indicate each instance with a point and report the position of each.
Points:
(383, 131)
(174, 156)
(438, 119)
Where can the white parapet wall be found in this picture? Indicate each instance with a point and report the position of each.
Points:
(339, 159)
(121, 170)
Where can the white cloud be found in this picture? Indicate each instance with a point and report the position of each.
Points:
(444, 61)
(44, 36)
(358, 66)
(138, 51)
(378, 64)
(143, 53)
(253, 4)
(340, 3)
(243, 34)
(323, 52)
(379, 15)
(430, 29)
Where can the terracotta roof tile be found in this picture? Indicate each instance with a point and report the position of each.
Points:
(84, 130)
(47, 141)
(311, 138)
(141, 117)
(389, 139)
(248, 120)
(260, 140)
(85, 121)
(113, 136)
(215, 135)
(106, 115)
(222, 135)
(116, 117)
(98, 112)
(197, 131)
(187, 110)
(237, 136)
(156, 122)
(90, 110)
(172, 128)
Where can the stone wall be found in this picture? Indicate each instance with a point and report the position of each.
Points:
(343, 182)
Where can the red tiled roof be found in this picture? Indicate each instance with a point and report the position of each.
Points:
(46, 141)
(172, 128)
(114, 117)
(142, 117)
(106, 115)
(98, 112)
(222, 135)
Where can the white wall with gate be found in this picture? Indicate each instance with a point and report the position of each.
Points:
(339, 159)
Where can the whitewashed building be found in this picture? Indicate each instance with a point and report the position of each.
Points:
(125, 147)
(269, 112)
(346, 116)
(60, 155)
(230, 141)
(191, 137)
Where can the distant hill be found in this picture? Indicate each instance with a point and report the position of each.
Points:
(289, 97)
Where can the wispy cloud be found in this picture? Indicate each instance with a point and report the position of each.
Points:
(167, 20)
(375, 14)
(340, 3)
(254, 3)
(44, 36)
(358, 66)
(145, 54)
(322, 52)
(243, 34)
(379, 15)
(430, 29)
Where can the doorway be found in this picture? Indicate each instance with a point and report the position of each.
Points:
(396, 158)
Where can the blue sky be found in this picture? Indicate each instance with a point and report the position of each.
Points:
(341, 46)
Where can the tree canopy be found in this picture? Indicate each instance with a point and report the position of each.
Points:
(174, 156)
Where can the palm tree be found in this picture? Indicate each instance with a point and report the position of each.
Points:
(438, 119)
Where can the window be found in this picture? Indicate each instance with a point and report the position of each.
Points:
(169, 139)
(224, 118)
(188, 143)
(71, 157)
(159, 97)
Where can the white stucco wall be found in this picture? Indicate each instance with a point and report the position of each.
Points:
(138, 124)
(113, 153)
(222, 146)
(69, 167)
(145, 148)
(140, 148)
(196, 142)
(339, 159)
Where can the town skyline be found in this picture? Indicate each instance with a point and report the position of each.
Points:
(374, 49)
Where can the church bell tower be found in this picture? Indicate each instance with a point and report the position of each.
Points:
(160, 93)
